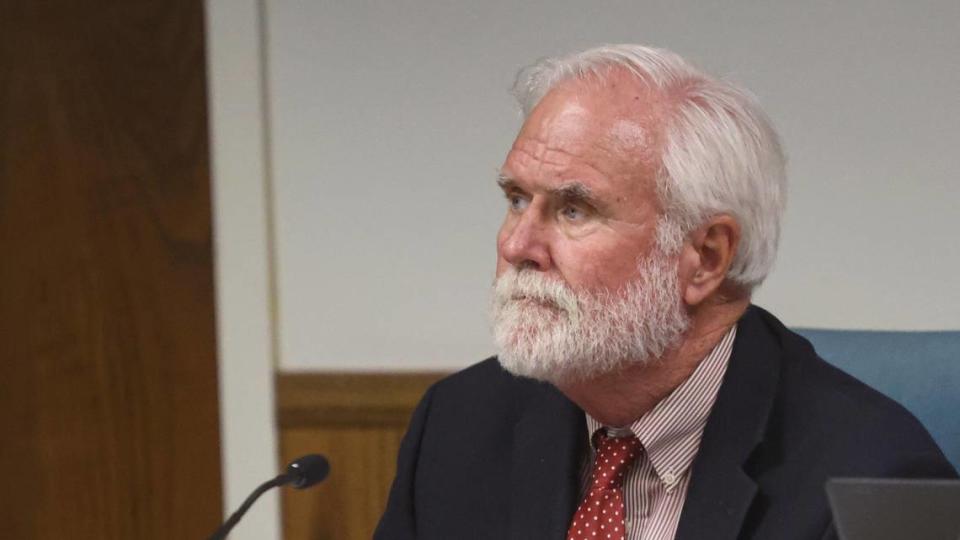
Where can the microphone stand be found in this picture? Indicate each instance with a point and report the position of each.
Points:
(302, 473)
(224, 529)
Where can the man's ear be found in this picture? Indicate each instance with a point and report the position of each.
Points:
(706, 257)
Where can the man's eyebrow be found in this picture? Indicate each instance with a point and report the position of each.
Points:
(574, 191)
(571, 192)
(505, 182)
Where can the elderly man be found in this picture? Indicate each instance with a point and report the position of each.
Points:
(637, 394)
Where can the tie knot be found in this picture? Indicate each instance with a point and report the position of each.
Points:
(614, 457)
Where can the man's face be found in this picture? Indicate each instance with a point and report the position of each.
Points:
(580, 190)
(581, 287)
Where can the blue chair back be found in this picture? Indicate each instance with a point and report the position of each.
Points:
(921, 370)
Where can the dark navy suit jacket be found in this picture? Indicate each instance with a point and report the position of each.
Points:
(493, 456)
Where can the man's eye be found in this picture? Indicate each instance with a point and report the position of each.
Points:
(517, 202)
(572, 213)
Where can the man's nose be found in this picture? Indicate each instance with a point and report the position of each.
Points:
(527, 244)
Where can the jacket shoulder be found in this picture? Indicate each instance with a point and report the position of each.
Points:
(483, 390)
(833, 414)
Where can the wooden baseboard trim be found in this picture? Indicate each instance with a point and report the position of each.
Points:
(357, 421)
(357, 399)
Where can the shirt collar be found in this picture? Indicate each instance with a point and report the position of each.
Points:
(670, 432)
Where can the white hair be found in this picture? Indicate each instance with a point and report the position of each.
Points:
(720, 152)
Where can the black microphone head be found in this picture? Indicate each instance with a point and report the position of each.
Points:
(308, 470)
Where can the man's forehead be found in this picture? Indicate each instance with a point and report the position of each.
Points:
(560, 120)
(622, 119)
(528, 152)
(534, 166)
(631, 136)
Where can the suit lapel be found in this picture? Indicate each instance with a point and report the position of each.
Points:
(720, 492)
(549, 443)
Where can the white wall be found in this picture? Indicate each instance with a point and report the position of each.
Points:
(245, 326)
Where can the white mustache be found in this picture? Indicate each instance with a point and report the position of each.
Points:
(514, 286)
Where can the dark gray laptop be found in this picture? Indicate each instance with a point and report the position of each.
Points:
(889, 509)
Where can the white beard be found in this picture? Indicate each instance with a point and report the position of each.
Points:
(547, 331)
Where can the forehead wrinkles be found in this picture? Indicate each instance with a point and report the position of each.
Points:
(532, 157)
(563, 123)
(533, 151)
(612, 126)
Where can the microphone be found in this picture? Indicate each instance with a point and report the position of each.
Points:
(308, 470)
(301, 473)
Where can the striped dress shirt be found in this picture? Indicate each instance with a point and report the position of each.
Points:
(655, 488)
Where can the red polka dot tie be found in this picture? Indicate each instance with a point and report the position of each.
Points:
(601, 514)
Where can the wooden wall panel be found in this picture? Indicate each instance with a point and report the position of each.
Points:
(357, 421)
(108, 411)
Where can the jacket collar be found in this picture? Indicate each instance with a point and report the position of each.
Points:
(720, 492)
(549, 442)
